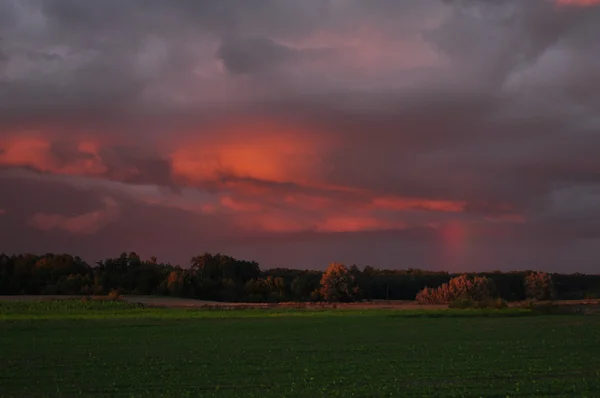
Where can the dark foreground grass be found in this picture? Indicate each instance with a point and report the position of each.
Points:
(178, 353)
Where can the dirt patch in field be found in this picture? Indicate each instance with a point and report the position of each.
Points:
(585, 306)
(174, 302)
(25, 297)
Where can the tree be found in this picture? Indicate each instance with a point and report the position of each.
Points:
(338, 284)
(301, 287)
(539, 286)
(204, 268)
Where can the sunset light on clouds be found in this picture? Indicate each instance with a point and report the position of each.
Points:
(578, 3)
(329, 129)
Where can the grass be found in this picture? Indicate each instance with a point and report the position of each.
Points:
(108, 309)
(50, 349)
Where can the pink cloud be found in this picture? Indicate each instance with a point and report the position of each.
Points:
(36, 153)
(357, 224)
(263, 174)
(83, 224)
(577, 3)
(398, 203)
(256, 149)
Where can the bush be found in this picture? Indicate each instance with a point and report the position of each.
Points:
(462, 303)
(497, 304)
(539, 286)
(315, 296)
(459, 288)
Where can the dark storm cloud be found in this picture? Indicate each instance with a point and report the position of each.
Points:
(89, 54)
(130, 164)
(3, 55)
(262, 55)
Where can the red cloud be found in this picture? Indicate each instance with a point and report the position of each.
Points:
(281, 221)
(357, 224)
(266, 175)
(398, 203)
(84, 224)
(274, 181)
(266, 151)
(36, 153)
(577, 3)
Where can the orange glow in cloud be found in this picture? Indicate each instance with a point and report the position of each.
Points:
(27, 152)
(273, 221)
(356, 224)
(36, 153)
(399, 203)
(577, 3)
(238, 205)
(309, 202)
(286, 222)
(280, 154)
(257, 150)
(264, 175)
(83, 224)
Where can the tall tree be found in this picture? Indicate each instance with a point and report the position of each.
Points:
(539, 286)
(338, 284)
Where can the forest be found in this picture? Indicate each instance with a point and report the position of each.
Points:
(224, 278)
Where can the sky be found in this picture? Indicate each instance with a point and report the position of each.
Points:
(458, 135)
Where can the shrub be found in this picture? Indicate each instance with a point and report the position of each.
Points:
(539, 286)
(499, 304)
(459, 288)
(315, 295)
(175, 283)
(496, 304)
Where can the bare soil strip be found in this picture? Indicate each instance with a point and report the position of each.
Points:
(175, 302)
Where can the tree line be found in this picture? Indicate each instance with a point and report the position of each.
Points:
(224, 278)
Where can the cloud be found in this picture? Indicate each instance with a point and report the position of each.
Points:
(578, 3)
(45, 156)
(263, 56)
(43, 153)
(87, 223)
(295, 122)
(264, 151)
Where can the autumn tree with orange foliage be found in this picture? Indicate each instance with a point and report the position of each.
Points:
(338, 284)
(478, 288)
(539, 286)
(174, 283)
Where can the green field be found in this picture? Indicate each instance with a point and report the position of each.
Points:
(71, 349)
